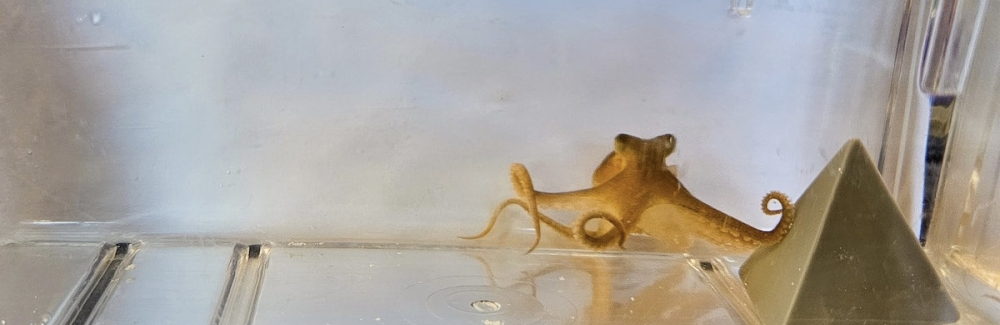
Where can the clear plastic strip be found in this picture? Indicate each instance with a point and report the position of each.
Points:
(245, 276)
(953, 34)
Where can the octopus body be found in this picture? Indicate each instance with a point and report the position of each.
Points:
(632, 179)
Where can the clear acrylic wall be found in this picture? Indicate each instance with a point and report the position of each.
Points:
(316, 119)
(963, 237)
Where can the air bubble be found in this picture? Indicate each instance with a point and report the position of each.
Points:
(486, 306)
(95, 17)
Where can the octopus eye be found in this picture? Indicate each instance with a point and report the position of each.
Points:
(668, 140)
(622, 141)
(624, 138)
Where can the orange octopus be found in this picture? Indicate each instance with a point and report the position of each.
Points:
(632, 179)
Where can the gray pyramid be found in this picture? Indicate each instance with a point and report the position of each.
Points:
(850, 258)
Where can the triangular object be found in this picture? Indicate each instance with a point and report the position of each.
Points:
(850, 258)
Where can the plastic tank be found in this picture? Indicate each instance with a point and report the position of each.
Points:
(194, 162)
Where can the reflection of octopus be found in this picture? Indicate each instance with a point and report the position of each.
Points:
(631, 180)
(676, 297)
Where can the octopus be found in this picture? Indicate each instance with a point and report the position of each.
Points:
(632, 180)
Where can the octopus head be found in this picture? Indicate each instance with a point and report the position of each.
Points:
(635, 149)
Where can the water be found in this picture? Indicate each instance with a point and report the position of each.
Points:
(741, 7)
(975, 283)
